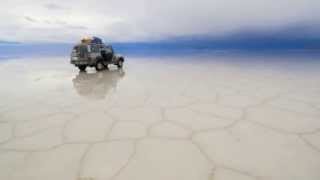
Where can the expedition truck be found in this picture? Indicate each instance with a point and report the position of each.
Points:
(92, 52)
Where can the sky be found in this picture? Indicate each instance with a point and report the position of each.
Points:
(152, 20)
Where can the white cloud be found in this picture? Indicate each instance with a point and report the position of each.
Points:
(140, 20)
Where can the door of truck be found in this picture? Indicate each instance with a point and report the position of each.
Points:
(94, 51)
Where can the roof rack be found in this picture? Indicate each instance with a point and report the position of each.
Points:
(88, 40)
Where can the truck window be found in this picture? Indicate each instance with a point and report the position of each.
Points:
(95, 48)
(80, 49)
(109, 49)
(76, 48)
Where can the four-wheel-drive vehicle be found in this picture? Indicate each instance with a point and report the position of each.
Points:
(93, 52)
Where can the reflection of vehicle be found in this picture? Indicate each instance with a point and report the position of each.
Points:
(97, 85)
(93, 53)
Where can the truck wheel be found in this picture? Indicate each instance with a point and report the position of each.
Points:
(100, 66)
(120, 64)
(82, 67)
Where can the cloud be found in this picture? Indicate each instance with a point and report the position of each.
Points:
(30, 19)
(149, 20)
(52, 6)
(77, 27)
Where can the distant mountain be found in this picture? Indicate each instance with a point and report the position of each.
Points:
(8, 42)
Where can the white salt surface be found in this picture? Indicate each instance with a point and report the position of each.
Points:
(170, 118)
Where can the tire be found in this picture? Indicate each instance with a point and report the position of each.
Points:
(100, 66)
(120, 63)
(82, 67)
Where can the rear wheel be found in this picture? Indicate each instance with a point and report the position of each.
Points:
(82, 67)
(100, 66)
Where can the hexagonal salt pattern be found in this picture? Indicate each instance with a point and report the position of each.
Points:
(225, 118)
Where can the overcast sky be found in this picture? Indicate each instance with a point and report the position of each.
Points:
(148, 20)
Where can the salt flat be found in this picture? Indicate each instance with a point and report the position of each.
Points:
(162, 118)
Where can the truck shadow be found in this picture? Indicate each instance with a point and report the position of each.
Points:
(97, 85)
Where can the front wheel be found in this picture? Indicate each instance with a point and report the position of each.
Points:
(82, 67)
(100, 66)
(120, 64)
